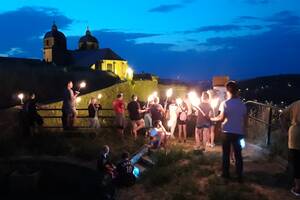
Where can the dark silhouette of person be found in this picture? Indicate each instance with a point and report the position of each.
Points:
(31, 118)
(125, 176)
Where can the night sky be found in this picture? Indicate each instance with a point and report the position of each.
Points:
(178, 39)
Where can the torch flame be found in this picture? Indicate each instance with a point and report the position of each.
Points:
(78, 99)
(169, 92)
(21, 96)
(82, 84)
(194, 99)
(178, 101)
(214, 103)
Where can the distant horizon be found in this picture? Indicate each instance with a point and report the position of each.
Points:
(193, 80)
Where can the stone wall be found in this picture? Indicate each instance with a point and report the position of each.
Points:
(141, 88)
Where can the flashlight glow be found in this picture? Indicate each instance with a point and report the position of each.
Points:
(82, 84)
(154, 94)
(242, 143)
(169, 92)
(136, 172)
(99, 96)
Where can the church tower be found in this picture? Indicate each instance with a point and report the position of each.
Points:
(88, 42)
(55, 47)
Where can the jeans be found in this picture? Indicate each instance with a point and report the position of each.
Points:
(232, 140)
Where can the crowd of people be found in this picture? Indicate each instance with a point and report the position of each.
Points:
(153, 117)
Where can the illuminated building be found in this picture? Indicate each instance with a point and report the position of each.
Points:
(88, 55)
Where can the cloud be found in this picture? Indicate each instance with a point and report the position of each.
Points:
(25, 25)
(285, 17)
(14, 51)
(223, 28)
(273, 51)
(256, 2)
(164, 8)
(241, 19)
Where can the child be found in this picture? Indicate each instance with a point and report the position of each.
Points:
(158, 135)
(93, 113)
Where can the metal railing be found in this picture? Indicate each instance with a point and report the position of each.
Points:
(55, 113)
(265, 114)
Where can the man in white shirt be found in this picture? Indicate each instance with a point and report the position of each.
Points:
(233, 114)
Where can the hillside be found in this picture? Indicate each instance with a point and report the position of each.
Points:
(279, 89)
(47, 81)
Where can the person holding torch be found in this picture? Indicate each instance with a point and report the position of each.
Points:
(69, 107)
(203, 123)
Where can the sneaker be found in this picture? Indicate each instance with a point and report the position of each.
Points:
(295, 192)
(208, 144)
(212, 145)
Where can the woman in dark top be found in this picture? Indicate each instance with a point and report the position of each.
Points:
(181, 121)
(93, 113)
(157, 111)
(203, 123)
(30, 115)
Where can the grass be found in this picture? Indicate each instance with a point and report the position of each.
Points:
(218, 189)
(82, 145)
(181, 174)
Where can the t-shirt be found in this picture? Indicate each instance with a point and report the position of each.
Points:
(119, 106)
(125, 168)
(93, 109)
(68, 101)
(235, 111)
(292, 114)
(203, 121)
(125, 172)
(156, 112)
(133, 109)
(30, 107)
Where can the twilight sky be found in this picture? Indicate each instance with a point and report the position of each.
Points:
(179, 39)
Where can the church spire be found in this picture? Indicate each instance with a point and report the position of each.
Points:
(54, 27)
(88, 32)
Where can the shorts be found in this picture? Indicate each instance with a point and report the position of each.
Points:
(202, 126)
(120, 121)
(294, 157)
(181, 122)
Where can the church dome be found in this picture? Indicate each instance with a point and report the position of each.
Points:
(59, 37)
(88, 41)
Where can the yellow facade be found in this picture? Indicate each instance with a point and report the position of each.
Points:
(119, 67)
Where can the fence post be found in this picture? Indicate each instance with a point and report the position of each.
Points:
(269, 127)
